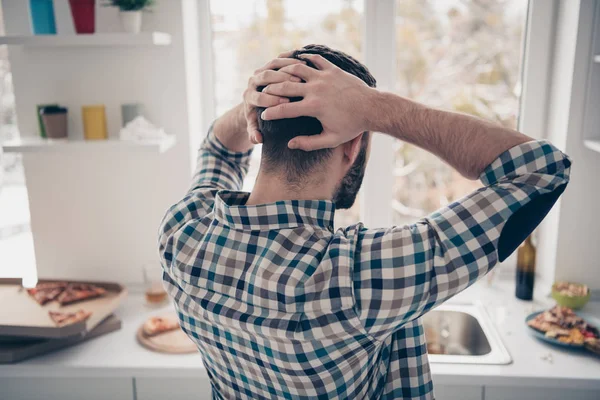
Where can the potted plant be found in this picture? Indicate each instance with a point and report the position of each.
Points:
(130, 12)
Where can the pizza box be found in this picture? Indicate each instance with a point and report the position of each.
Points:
(22, 316)
(18, 349)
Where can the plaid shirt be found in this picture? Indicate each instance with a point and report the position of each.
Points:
(282, 306)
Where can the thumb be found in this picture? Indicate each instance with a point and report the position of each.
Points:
(314, 142)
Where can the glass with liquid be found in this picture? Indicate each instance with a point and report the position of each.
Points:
(153, 286)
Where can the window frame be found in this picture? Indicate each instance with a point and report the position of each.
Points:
(380, 55)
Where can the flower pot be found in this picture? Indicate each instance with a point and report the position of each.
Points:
(84, 15)
(131, 21)
(42, 17)
(131, 111)
(94, 122)
(54, 119)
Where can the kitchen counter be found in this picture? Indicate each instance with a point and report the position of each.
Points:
(534, 363)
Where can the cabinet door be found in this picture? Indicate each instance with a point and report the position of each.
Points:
(173, 388)
(185, 389)
(457, 392)
(536, 393)
(66, 388)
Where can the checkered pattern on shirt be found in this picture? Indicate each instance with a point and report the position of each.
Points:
(281, 306)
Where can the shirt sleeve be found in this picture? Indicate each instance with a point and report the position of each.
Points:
(402, 272)
(218, 168)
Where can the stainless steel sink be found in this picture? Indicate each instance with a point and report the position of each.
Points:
(463, 334)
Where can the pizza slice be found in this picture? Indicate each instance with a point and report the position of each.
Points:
(63, 319)
(51, 285)
(78, 292)
(157, 325)
(45, 292)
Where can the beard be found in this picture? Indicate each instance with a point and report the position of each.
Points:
(346, 192)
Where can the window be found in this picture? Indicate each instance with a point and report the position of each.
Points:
(248, 34)
(462, 55)
(16, 242)
(457, 55)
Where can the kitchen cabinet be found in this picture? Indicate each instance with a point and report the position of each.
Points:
(457, 392)
(173, 388)
(591, 115)
(536, 393)
(199, 388)
(44, 388)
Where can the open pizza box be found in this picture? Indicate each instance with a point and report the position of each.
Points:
(22, 316)
(13, 350)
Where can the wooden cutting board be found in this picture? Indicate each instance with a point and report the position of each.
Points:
(173, 342)
(22, 316)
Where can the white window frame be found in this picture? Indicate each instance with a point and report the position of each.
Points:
(380, 57)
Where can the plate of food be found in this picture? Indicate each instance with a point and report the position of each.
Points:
(561, 326)
(572, 295)
(163, 334)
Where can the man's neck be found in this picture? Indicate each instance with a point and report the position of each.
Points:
(270, 188)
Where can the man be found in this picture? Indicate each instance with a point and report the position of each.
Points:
(281, 305)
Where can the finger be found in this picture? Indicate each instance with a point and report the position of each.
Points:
(288, 110)
(278, 63)
(314, 142)
(269, 76)
(300, 70)
(261, 99)
(286, 54)
(258, 139)
(319, 61)
(286, 89)
(252, 126)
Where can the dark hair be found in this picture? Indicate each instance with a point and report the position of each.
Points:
(277, 133)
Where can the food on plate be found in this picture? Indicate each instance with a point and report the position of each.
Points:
(562, 324)
(572, 295)
(574, 336)
(64, 318)
(435, 348)
(592, 345)
(157, 325)
(571, 289)
(79, 291)
(46, 292)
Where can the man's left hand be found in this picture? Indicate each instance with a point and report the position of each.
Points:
(264, 76)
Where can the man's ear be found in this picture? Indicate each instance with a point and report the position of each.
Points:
(352, 148)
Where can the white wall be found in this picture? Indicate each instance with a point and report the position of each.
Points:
(570, 241)
(95, 216)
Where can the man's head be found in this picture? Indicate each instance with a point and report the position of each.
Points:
(301, 168)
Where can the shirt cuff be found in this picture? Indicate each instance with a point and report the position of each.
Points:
(535, 156)
(214, 145)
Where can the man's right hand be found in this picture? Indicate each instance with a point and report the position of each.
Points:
(339, 100)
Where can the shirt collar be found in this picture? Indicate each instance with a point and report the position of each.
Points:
(231, 209)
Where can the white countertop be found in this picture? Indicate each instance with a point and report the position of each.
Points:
(568, 368)
(118, 354)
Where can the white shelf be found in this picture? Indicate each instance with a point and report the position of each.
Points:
(96, 39)
(41, 145)
(592, 144)
(597, 59)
